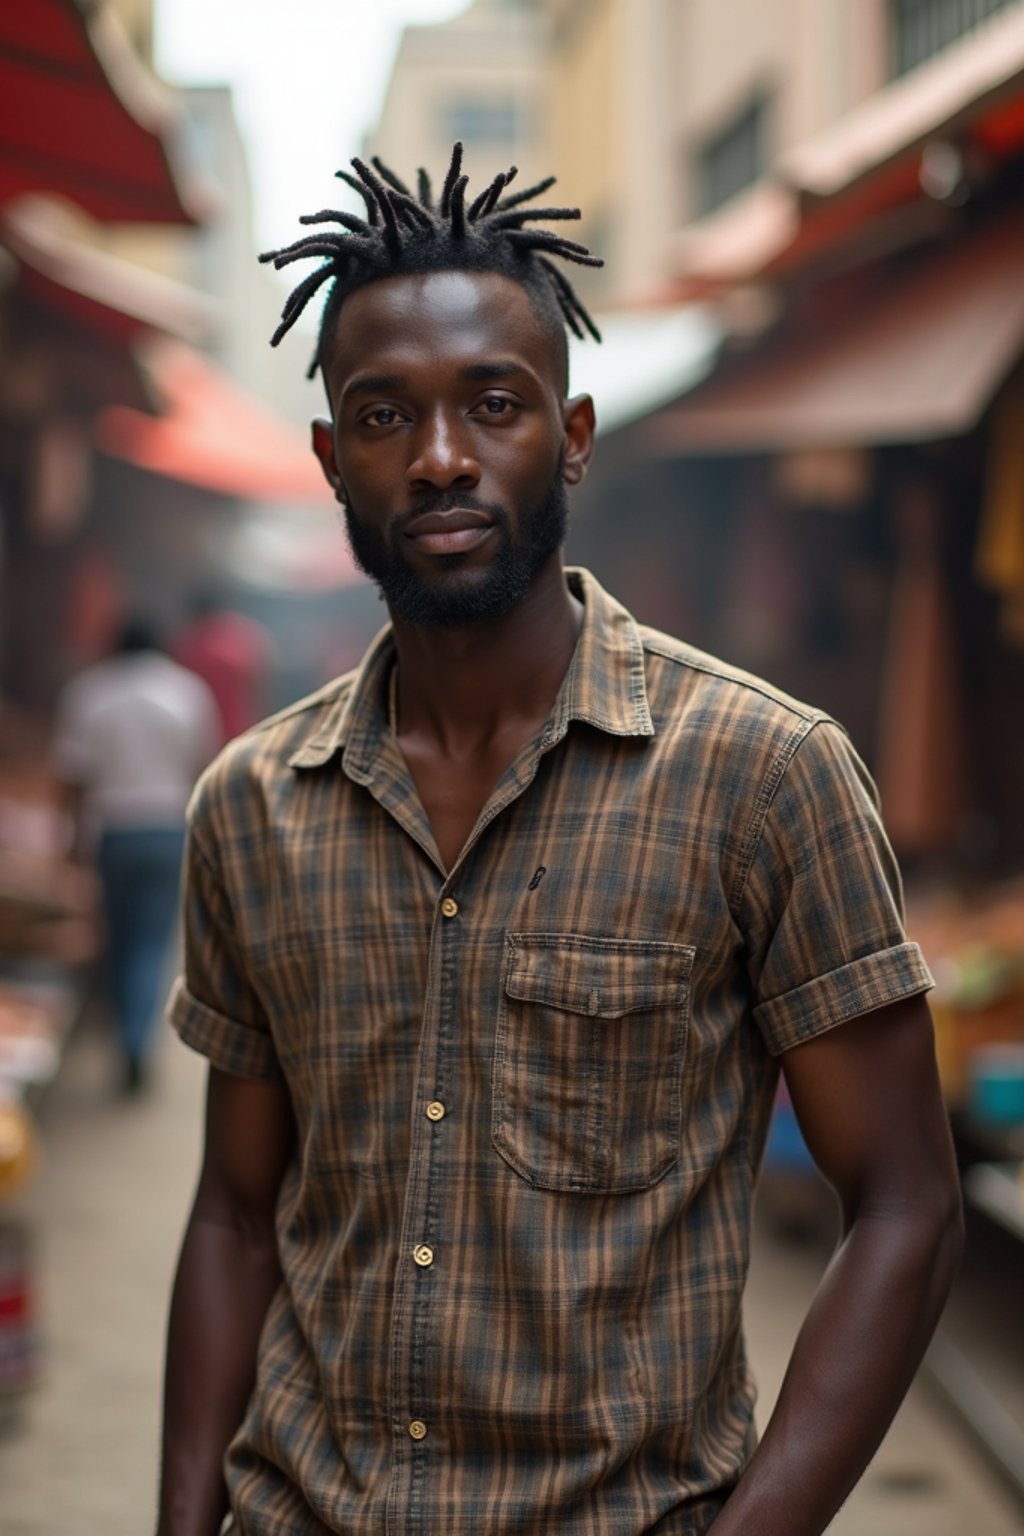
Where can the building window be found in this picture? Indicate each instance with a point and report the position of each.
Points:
(921, 28)
(487, 122)
(733, 158)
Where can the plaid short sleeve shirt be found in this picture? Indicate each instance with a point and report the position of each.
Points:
(532, 1091)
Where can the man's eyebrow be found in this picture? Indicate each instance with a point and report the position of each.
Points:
(373, 384)
(502, 369)
(381, 383)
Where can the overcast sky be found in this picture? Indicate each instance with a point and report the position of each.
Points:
(308, 79)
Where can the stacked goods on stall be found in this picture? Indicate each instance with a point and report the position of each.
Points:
(974, 944)
(49, 938)
(19, 1345)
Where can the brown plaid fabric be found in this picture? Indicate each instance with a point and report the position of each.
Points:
(532, 1093)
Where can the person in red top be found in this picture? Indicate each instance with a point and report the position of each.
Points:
(231, 653)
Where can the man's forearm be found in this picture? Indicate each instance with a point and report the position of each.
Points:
(227, 1274)
(856, 1354)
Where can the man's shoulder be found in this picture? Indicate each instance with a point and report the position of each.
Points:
(681, 674)
(260, 756)
(736, 733)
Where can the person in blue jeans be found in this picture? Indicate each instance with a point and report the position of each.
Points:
(140, 871)
(131, 734)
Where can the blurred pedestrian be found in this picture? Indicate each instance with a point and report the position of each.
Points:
(232, 653)
(495, 946)
(131, 734)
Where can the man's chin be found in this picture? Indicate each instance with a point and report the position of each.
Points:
(474, 587)
(450, 598)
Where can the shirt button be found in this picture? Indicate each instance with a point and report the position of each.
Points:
(417, 1429)
(424, 1255)
(435, 1110)
(449, 907)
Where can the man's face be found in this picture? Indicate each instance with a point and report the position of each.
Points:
(451, 446)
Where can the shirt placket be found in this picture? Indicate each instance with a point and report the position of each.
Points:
(420, 1277)
(421, 1250)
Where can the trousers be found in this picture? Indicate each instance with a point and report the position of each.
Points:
(140, 871)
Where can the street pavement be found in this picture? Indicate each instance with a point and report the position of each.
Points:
(80, 1457)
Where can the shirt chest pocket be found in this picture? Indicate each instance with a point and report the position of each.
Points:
(589, 1050)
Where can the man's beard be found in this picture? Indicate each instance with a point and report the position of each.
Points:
(458, 596)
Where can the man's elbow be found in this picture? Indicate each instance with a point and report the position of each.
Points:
(922, 1229)
(950, 1228)
(939, 1230)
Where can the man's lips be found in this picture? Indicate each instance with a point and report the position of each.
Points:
(449, 533)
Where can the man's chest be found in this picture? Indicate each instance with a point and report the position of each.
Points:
(551, 984)
(609, 846)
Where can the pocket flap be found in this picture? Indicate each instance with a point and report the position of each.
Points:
(600, 978)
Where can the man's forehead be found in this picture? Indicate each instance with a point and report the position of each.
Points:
(446, 293)
(453, 314)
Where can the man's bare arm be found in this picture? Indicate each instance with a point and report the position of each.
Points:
(867, 1098)
(227, 1274)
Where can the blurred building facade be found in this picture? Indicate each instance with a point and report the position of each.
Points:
(668, 117)
(480, 78)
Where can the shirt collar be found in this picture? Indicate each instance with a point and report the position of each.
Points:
(604, 687)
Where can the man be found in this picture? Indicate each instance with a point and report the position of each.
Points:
(494, 947)
(131, 735)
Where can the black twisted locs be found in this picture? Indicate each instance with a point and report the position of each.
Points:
(413, 232)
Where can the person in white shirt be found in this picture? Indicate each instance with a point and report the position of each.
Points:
(131, 734)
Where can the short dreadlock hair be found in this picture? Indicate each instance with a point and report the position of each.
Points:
(404, 233)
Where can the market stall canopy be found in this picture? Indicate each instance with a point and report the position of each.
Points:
(916, 356)
(83, 118)
(95, 291)
(213, 434)
(75, 314)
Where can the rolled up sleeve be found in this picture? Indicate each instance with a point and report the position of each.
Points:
(823, 905)
(214, 1005)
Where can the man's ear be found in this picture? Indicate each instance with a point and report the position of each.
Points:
(323, 447)
(578, 421)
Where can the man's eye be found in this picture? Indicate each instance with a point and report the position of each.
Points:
(497, 405)
(383, 416)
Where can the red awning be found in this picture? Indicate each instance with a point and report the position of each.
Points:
(82, 117)
(917, 356)
(213, 435)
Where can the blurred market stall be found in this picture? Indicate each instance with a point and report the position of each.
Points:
(839, 503)
(133, 469)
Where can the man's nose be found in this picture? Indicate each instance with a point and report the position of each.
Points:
(443, 455)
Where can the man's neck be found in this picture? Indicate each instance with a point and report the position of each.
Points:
(464, 687)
